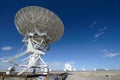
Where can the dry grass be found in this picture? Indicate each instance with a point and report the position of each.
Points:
(95, 75)
(98, 73)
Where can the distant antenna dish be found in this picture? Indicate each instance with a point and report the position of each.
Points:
(39, 21)
(68, 67)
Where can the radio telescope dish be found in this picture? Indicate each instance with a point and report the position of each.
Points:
(40, 27)
(68, 67)
(38, 20)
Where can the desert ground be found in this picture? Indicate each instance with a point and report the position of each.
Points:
(94, 75)
(87, 75)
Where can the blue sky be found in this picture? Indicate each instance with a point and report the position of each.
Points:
(91, 37)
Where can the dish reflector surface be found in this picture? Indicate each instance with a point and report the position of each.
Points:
(34, 19)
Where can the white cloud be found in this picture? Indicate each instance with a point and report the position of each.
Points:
(57, 65)
(3, 65)
(6, 48)
(107, 50)
(93, 40)
(71, 62)
(103, 29)
(1, 59)
(110, 55)
(98, 34)
(93, 24)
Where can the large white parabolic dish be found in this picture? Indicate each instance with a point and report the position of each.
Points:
(32, 18)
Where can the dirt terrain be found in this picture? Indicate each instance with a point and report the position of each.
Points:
(95, 75)
(88, 75)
